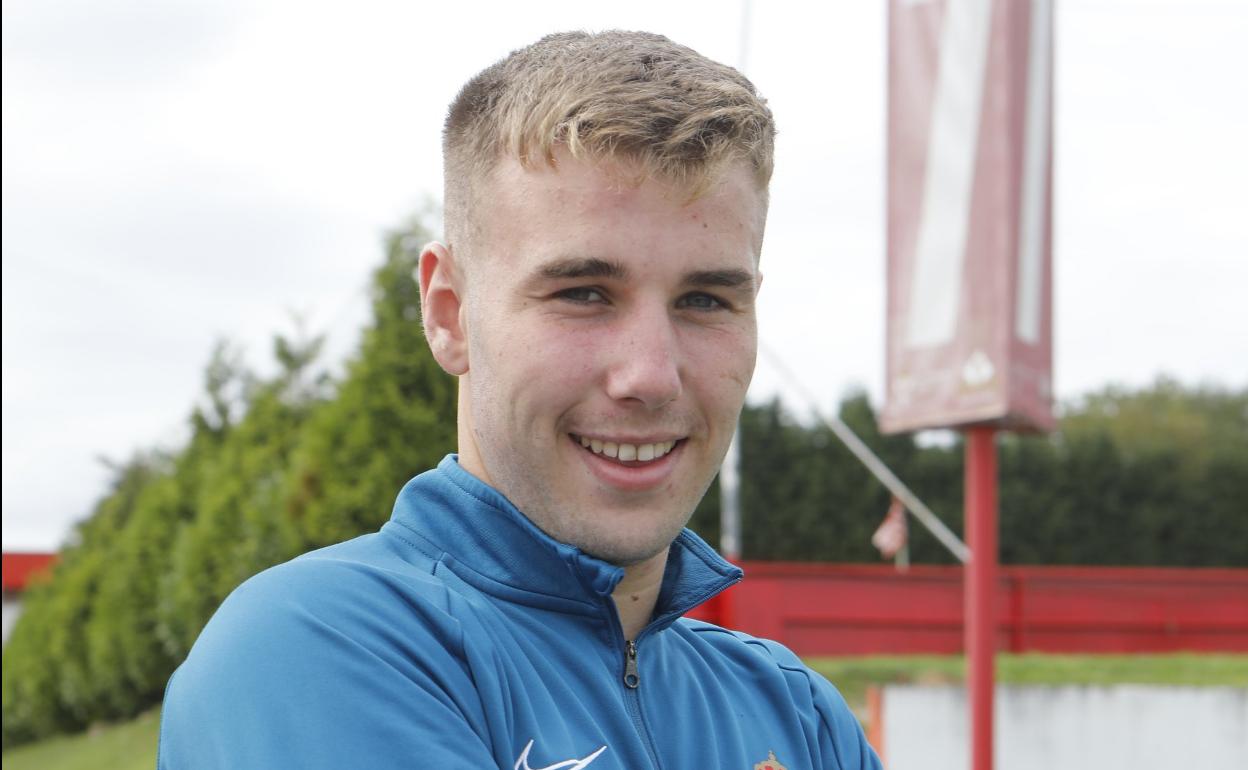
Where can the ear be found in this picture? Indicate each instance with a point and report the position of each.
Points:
(440, 305)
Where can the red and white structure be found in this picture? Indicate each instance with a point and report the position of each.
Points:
(969, 191)
(20, 568)
(969, 331)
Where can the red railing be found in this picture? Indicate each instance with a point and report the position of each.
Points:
(851, 609)
(21, 567)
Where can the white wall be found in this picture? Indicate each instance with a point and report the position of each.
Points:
(1123, 727)
(12, 608)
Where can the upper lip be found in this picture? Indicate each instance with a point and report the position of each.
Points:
(659, 439)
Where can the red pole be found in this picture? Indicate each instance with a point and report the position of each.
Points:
(981, 578)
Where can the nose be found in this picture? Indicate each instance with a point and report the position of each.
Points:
(646, 360)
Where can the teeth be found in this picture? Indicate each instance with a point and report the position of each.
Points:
(628, 452)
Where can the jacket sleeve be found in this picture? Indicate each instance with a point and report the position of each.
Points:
(321, 664)
(840, 735)
(838, 742)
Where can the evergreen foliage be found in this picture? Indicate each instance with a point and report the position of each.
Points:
(393, 417)
(1109, 488)
(275, 467)
(272, 468)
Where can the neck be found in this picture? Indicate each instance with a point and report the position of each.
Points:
(638, 592)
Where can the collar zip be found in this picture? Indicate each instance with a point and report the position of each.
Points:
(631, 679)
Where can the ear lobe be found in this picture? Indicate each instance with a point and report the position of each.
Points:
(440, 305)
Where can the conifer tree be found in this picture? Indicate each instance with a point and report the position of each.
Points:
(393, 415)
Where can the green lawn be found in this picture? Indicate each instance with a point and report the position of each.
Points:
(132, 745)
(852, 676)
(125, 746)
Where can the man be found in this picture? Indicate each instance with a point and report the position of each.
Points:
(605, 202)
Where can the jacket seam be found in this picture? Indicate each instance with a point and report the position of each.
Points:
(803, 670)
(464, 490)
(450, 477)
(440, 552)
(823, 722)
(442, 555)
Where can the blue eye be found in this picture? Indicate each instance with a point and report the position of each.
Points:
(701, 301)
(582, 294)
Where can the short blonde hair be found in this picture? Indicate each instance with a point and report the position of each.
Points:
(635, 97)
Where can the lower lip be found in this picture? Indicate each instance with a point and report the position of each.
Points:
(630, 478)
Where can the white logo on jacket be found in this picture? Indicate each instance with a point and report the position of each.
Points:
(522, 762)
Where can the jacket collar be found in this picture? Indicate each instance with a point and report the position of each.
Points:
(473, 523)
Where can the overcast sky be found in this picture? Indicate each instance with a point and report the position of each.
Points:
(175, 172)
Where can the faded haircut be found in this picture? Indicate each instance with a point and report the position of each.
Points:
(659, 108)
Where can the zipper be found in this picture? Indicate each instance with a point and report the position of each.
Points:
(632, 700)
(632, 675)
(631, 680)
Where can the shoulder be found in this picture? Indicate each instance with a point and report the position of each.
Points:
(329, 644)
(772, 670)
(355, 590)
(740, 645)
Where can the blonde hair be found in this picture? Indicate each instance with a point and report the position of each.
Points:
(661, 108)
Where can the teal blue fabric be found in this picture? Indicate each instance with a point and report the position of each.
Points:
(461, 636)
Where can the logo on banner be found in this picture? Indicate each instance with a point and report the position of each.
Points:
(978, 370)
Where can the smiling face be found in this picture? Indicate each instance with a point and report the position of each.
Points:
(605, 336)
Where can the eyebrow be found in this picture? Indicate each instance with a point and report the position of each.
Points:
(594, 267)
(724, 279)
(582, 267)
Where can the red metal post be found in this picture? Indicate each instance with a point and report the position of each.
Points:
(981, 576)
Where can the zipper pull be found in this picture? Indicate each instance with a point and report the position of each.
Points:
(631, 679)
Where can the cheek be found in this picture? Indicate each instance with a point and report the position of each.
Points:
(723, 367)
(542, 372)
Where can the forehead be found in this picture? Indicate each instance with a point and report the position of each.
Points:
(606, 210)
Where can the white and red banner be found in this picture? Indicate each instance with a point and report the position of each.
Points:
(969, 214)
(893, 533)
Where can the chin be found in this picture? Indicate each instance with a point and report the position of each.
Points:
(623, 558)
(625, 553)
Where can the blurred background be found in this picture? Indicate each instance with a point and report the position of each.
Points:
(211, 361)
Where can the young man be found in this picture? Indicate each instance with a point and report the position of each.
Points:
(605, 202)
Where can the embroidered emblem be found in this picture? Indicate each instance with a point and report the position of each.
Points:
(770, 763)
(522, 762)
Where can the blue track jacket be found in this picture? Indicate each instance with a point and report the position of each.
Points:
(461, 636)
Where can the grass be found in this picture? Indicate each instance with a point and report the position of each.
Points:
(132, 745)
(123, 746)
(852, 676)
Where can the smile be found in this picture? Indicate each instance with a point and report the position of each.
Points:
(625, 452)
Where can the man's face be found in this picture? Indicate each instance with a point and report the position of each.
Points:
(610, 333)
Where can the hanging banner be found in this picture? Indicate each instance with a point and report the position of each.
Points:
(969, 333)
(893, 533)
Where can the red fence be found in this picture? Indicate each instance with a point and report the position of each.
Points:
(21, 567)
(842, 609)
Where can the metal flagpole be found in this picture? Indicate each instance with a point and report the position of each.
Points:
(730, 500)
(978, 584)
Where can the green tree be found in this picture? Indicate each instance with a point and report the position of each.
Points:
(30, 704)
(49, 682)
(393, 416)
(125, 658)
(239, 525)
